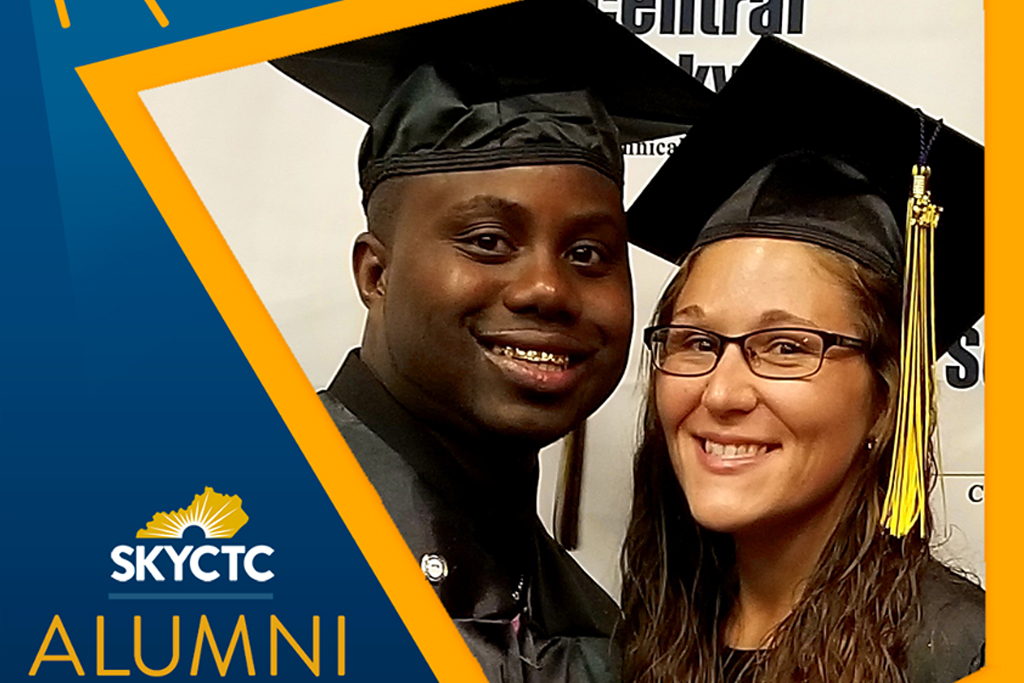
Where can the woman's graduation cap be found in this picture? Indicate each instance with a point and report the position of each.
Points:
(795, 148)
(533, 82)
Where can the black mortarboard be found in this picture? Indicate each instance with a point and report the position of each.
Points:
(794, 148)
(533, 82)
(862, 144)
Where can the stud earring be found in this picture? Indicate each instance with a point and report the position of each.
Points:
(870, 444)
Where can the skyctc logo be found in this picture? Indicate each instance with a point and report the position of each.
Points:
(219, 516)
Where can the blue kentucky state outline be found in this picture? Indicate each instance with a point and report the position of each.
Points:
(121, 386)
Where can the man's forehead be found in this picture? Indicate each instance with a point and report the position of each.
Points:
(565, 192)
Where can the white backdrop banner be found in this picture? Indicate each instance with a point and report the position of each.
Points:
(275, 165)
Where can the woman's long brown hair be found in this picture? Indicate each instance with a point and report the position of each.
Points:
(852, 620)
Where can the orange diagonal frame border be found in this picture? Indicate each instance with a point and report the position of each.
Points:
(1004, 372)
(114, 86)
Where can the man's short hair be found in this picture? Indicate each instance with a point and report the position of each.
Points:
(382, 208)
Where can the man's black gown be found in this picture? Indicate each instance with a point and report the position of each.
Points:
(527, 611)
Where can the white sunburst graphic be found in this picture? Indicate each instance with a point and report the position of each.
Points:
(218, 515)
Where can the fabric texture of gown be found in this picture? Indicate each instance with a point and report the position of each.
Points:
(946, 645)
(527, 611)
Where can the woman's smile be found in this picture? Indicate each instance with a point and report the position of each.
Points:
(731, 455)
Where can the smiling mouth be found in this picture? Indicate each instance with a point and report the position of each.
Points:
(544, 360)
(733, 451)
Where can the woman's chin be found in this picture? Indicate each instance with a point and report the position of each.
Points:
(721, 518)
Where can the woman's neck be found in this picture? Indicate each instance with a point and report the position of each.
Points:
(774, 566)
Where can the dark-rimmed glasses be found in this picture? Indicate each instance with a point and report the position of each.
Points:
(776, 353)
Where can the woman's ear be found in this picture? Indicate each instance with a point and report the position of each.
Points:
(369, 265)
(882, 425)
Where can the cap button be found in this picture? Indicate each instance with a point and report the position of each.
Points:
(434, 567)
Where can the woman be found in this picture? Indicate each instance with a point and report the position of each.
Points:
(756, 550)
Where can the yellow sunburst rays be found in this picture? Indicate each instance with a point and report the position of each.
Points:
(905, 499)
(219, 516)
(158, 14)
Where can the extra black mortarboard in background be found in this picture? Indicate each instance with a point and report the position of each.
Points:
(526, 83)
(783, 100)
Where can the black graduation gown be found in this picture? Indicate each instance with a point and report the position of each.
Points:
(527, 611)
(949, 640)
(946, 645)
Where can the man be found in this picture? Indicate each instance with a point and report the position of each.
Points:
(496, 278)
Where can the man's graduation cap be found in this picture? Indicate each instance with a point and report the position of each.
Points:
(533, 82)
(795, 148)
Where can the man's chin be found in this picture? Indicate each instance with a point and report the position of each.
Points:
(532, 426)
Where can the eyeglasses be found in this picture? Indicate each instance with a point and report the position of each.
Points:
(779, 353)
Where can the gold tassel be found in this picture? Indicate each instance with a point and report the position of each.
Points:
(905, 499)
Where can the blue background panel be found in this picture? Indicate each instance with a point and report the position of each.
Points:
(124, 394)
